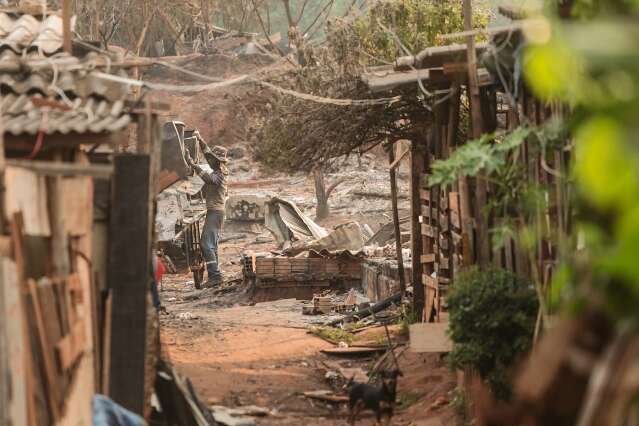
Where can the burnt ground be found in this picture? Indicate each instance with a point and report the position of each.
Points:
(239, 354)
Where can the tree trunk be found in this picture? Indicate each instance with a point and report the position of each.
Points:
(322, 210)
(323, 193)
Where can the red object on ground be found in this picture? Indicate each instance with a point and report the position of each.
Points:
(159, 270)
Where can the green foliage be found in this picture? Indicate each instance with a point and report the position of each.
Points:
(333, 335)
(409, 316)
(489, 154)
(514, 198)
(297, 134)
(593, 65)
(492, 321)
(458, 403)
(417, 23)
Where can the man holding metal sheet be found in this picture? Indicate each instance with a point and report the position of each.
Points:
(215, 191)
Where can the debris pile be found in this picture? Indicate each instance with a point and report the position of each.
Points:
(278, 277)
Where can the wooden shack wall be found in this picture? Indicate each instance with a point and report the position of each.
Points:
(55, 326)
(447, 231)
(48, 316)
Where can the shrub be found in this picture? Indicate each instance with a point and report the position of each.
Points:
(492, 321)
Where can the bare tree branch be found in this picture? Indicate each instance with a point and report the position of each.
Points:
(301, 13)
(289, 15)
(328, 8)
(334, 185)
(266, 34)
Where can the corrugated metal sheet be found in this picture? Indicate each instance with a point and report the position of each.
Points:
(90, 115)
(26, 32)
(60, 99)
(77, 83)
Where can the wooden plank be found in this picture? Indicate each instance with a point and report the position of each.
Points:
(395, 209)
(106, 346)
(26, 192)
(77, 196)
(49, 168)
(483, 240)
(72, 346)
(53, 324)
(429, 281)
(429, 231)
(430, 338)
(417, 165)
(26, 143)
(444, 263)
(427, 258)
(5, 378)
(455, 220)
(424, 194)
(453, 201)
(443, 223)
(129, 279)
(364, 350)
(455, 68)
(74, 284)
(430, 303)
(53, 386)
(13, 324)
(21, 290)
(59, 237)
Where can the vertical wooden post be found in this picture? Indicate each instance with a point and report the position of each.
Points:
(416, 170)
(483, 242)
(129, 279)
(59, 237)
(66, 25)
(4, 354)
(398, 235)
(4, 346)
(96, 22)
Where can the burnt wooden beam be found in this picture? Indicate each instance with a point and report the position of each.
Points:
(129, 279)
(50, 168)
(416, 170)
(398, 236)
(26, 143)
(482, 238)
(436, 56)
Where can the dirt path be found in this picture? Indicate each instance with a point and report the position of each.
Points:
(239, 355)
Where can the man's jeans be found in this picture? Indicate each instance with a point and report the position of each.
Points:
(209, 242)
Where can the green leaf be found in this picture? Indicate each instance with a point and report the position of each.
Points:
(605, 168)
(513, 139)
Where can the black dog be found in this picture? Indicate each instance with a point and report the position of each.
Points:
(380, 399)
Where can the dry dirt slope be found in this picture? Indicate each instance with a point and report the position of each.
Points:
(221, 115)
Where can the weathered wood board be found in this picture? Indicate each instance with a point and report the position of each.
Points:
(430, 338)
(26, 192)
